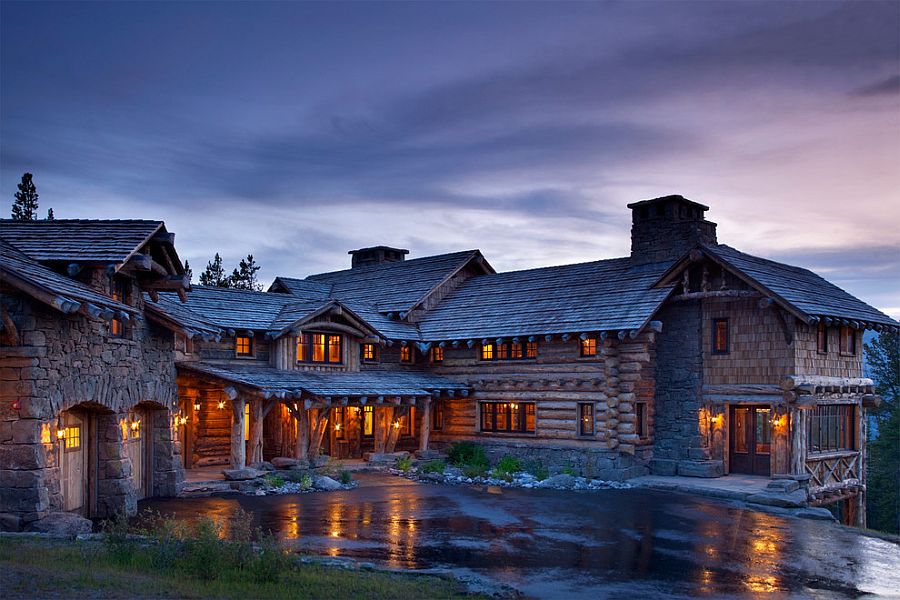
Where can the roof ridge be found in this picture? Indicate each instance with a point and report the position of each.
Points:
(61, 221)
(390, 265)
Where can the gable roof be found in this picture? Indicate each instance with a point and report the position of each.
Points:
(393, 286)
(605, 295)
(800, 288)
(228, 308)
(79, 240)
(26, 274)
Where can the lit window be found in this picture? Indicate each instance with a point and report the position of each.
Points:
(246, 421)
(487, 352)
(118, 291)
(334, 348)
(72, 438)
(586, 418)
(303, 347)
(507, 417)
(406, 421)
(368, 421)
(437, 354)
(502, 352)
(720, 336)
(848, 340)
(589, 347)
(509, 351)
(531, 350)
(822, 338)
(515, 351)
(406, 354)
(368, 353)
(243, 346)
(318, 347)
(641, 426)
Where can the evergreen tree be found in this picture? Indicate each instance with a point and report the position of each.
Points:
(883, 465)
(50, 216)
(26, 203)
(214, 275)
(244, 277)
(188, 271)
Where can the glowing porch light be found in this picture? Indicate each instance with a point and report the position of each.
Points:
(196, 406)
(221, 404)
(396, 424)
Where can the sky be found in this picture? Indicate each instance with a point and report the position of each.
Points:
(299, 131)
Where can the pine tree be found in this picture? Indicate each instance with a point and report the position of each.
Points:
(214, 275)
(883, 464)
(50, 216)
(26, 203)
(244, 277)
(188, 271)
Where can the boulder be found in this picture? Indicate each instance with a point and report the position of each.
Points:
(388, 458)
(561, 481)
(283, 462)
(427, 454)
(783, 486)
(326, 483)
(62, 524)
(241, 474)
(701, 468)
(795, 499)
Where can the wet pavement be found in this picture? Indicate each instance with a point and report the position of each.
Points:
(634, 543)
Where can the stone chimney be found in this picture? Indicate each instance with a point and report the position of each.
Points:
(665, 228)
(376, 255)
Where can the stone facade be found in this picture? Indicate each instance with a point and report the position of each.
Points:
(70, 364)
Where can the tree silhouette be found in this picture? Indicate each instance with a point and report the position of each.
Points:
(244, 277)
(50, 216)
(25, 206)
(214, 275)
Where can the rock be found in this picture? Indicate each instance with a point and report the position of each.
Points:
(387, 458)
(561, 481)
(326, 483)
(427, 454)
(701, 468)
(437, 477)
(783, 485)
(62, 524)
(241, 474)
(795, 499)
(319, 461)
(262, 466)
(283, 462)
(817, 513)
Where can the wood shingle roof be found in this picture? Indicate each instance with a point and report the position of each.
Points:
(79, 240)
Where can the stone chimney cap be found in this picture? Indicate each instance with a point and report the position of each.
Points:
(676, 197)
(371, 248)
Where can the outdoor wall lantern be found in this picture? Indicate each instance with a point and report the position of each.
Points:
(397, 424)
(196, 406)
(221, 404)
(60, 430)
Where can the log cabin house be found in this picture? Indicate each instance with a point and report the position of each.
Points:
(687, 357)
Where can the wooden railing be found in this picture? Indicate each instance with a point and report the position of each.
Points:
(832, 470)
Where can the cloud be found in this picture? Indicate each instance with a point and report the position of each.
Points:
(889, 86)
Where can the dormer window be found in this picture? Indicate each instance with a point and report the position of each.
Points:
(320, 348)
(243, 345)
(509, 351)
(369, 353)
(406, 354)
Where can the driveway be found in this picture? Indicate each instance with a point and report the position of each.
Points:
(633, 543)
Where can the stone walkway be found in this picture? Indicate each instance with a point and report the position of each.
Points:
(734, 487)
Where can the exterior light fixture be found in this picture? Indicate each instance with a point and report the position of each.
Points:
(221, 404)
(337, 426)
(135, 425)
(196, 406)
(396, 424)
(60, 431)
(182, 420)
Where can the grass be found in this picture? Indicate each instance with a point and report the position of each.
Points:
(174, 563)
(404, 463)
(434, 466)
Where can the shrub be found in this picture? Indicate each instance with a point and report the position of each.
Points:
(567, 470)
(462, 454)
(434, 466)
(346, 476)
(476, 470)
(404, 463)
(274, 481)
(305, 482)
(508, 464)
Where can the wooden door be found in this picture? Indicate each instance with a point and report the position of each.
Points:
(137, 447)
(73, 462)
(750, 440)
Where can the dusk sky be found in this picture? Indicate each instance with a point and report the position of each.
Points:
(300, 131)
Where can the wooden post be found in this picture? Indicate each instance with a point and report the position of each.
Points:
(320, 423)
(256, 431)
(425, 426)
(798, 419)
(781, 442)
(394, 434)
(238, 451)
(381, 432)
(302, 434)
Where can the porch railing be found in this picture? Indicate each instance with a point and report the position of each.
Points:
(833, 470)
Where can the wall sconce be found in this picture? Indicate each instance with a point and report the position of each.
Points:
(135, 425)
(182, 420)
(60, 431)
(777, 421)
(717, 419)
(221, 404)
(337, 426)
(197, 406)
(396, 424)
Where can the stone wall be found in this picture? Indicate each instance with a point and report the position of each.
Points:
(63, 362)
(677, 435)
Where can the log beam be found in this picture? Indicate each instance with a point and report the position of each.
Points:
(238, 450)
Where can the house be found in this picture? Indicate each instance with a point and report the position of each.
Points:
(87, 383)
(687, 357)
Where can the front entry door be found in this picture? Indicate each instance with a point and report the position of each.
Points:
(73, 461)
(751, 440)
(137, 446)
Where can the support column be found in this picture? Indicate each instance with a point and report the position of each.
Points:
(320, 421)
(256, 431)
(238, 449)
(381, 427)
(394, 432)
(425, 426)
(302, 434)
